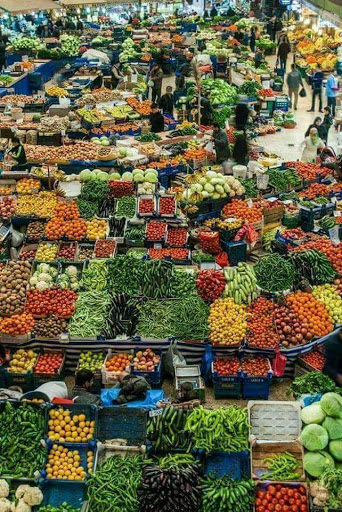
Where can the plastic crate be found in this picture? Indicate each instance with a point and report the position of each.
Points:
(235, 465)
(226, 386)
(237, 251)
(256, 387)
(153, 377)
(89, 410)
(129, 423)
(23, 380)
(58, 492)
(82, 449)
(41, 378)
(275, 421)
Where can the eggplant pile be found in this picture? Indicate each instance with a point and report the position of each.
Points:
(122, 317)
(170, 490)
(106, 207)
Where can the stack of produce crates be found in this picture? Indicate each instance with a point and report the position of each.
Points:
(226, 386)
(256, 387)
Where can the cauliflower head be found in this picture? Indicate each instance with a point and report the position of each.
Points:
(22, 507)
(4, 488)
(5, 505)
(33, 496)
(19, 493)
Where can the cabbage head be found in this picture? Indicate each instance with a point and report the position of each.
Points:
(335, 449)
(331, 404)
(316, 462)
(314, 437)
(334, 427)
(312, 414)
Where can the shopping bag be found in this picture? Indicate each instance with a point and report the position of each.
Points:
(207, 359)
(172, 359)
(302, 93)
(279, 364)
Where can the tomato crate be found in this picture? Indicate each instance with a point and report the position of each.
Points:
(82, 449)
(263, 486)
(226, 386)
(261, 450)
(88, 410)
(153, 377)
(58, 492)
(235, 465)
(41, 378)
(256, 387)
(128, 423)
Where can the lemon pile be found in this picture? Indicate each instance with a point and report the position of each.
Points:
(67, 428)
(64, 464)
(227, 322)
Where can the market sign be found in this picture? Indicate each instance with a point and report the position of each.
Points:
(285, 2)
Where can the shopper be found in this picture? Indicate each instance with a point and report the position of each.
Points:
(317, 81)
(156, 81)
(294, 81)
(81, 392)
(2, 54)
(206, 110)
(274, 29)
(221, 144)
(331, 91)
(327, 121)
(166, 102)
(278, 28)
(184, 72)
(133, 387)
(240, 151)
(320, 127)
(213, 12)
(333, 358)
(283, 50)
(117, 75)
(11, 393)
(79, 25)
(312, 144)
(252, 39)
(259, 57)
(17, 152)
(156, 119)
(241, 115)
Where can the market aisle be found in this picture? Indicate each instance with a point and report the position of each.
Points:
(288, 144)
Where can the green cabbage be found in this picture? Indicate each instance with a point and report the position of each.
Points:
(312, 414)
(331, 404)
(314, 437)
(316, 462)
(334, 427)
(335, 449)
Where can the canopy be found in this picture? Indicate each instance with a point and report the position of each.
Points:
(68, 3)
(14, 6)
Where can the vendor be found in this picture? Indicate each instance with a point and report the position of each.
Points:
(258, 58)
(117, 76)
(241, 115)
(206, 110)
(221, 144)
(17, 152)
(240, 151)
(81, 392)
(333, 358)
(166, 102)
(156, 119)
(133, 387)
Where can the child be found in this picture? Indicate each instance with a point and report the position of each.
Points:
(327, 121)
(186, 394)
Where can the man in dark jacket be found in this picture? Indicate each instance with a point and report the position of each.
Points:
(206, 110)
(294, 81)
(258, 58)
(221, 144)
(333, 361)
(166, 102)
(156, 76)
(156, 119)
(317, 81)
(283, 50)
(241, 115)
(81, 392)
(213, 12)
(132, 387)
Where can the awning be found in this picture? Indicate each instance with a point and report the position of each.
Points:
(68, 3)
(15, 6)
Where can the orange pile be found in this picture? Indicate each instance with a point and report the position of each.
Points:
(67, 210)
(143, 107)
(240, 209)
(28, 186)
(17, 325)
(312, 312)
(195, 154)
(118, 362)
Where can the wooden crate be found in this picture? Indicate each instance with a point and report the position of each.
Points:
(261, 450)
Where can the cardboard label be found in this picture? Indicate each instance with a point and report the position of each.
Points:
(333, 235)
(155, 412)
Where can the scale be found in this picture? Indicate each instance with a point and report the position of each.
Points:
(190, 373)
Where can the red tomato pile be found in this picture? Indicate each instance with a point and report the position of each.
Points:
(177, 236)
(174, 253)
(266, 93)
(227, 365)
(281, 498)
(255, 366)
(50, 362)
(332, 252)
(104, 248)
(309, 171)
(268, 205)
(315, 358)
(210, 241)
(146, 206)
(261, 331)
(294, 234)
(7, 206)
(210, 284)
(167, 205)
(67, 252)
(58, 302)
(316, 189)
(156, 230)
(120, 188)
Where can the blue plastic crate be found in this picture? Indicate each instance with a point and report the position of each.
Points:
(234, 465)
(230, 388)
(256, 387)
(89, 410)
(128, 423)
(82, 449)
(237, 251)
(58, 492)
(153, 377)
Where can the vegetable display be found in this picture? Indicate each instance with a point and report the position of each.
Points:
(281, 467)
(227, 494)
(166, 431)
(274, 273)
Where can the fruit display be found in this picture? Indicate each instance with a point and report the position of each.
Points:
(91, 361)
(58, 92)
(145, 361)
(66, 427)
(118, 362)
(227, 322)
(65, 464)
(22, 361)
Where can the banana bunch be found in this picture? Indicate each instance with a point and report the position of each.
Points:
(241, 283)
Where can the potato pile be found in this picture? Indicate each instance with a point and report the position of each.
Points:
(13, 282)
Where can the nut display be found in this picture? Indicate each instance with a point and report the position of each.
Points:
(35, 230)
(49, 327)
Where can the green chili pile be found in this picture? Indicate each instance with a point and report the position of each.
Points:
(281, 467)
(95, 275)
(274, 273)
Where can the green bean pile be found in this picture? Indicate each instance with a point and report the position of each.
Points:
(274, 273)
(90, 315)
(94, 276)
(113, 487)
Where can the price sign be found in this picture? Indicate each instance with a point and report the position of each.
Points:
(134, 78)
(250, 203)
(334, 235)
(155, 412)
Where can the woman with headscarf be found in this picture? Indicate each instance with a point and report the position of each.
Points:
(312, 144)
(321, 128)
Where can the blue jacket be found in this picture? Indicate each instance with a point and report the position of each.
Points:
(317, 80)
(331, 83)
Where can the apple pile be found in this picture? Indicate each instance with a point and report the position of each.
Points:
(145, 361)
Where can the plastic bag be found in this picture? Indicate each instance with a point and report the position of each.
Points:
(279, 364)
(172, 359)
(207, 359)
(17, 237)
(222, 259)
(210, 241)
(247, 233)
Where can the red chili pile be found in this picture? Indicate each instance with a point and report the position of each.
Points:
(177, 236)
(315, 358)
(55, 301)
(49, 362)
(167, 205)
(210, 284)
(156, 231)
(146, 206)
(120, 188)
(255, 366)
(281, 498)
(104, 248)
(261, 331)
(227, 365)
